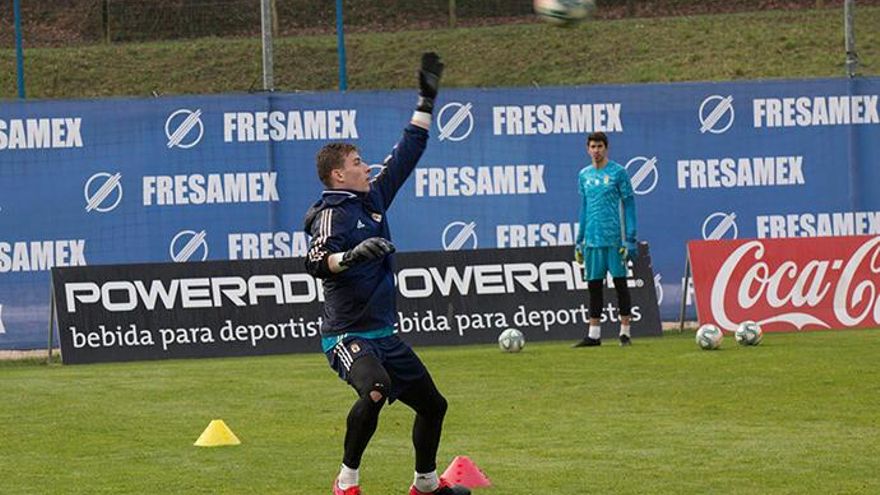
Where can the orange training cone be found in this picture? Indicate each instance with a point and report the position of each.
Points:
(217, 434)
(464, 472)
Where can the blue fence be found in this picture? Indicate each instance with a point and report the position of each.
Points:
(229, 177)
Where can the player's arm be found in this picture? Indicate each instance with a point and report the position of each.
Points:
(328, 231)
(629, 216)
(327, 254)
(406, 153)
(582, 224)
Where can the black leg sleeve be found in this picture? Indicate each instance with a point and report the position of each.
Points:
(369, 378)
(430, 407)
(596, 301)
(623, 301)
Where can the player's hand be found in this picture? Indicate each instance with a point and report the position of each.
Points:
(579, 254)
(429, 80)
(369, 249)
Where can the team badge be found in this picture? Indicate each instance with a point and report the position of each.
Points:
(355, 348)
(377, 217)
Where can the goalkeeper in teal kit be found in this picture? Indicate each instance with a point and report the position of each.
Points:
(603, 245)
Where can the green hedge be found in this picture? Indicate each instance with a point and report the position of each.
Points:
(61, 22)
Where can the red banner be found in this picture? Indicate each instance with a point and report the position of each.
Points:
(788, 284)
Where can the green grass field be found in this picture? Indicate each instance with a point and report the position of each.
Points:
(798, 415)
(759, 45)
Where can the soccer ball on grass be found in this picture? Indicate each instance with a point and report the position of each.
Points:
(748, 333)
(709, 337)
(564, 12)
(511, 340)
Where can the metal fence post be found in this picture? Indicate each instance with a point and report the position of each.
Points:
(340, 47)
(685, 285)
(51, 338)
(105, 20)
(452, 14)
(19, 50)
(268, 60)
(852, 59)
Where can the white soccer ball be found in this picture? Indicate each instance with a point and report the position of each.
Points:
(709, 337)
(748, 333)
(511, 340)
(564, 12)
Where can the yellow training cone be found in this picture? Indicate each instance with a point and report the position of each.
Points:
(217, 434)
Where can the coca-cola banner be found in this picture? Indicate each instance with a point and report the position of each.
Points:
(788, 284)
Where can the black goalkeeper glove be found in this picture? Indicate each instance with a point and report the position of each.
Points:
(579, 254)
(369, 249)
(630, 250)
(429, 81)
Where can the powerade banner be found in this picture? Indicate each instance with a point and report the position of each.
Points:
(229, 177)
(788, 284)
(235, 308)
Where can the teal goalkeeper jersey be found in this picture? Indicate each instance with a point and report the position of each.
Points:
(602, 193)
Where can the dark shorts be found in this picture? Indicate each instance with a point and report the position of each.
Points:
(402, 364)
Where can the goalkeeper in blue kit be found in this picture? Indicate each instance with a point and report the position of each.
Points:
(603, 245)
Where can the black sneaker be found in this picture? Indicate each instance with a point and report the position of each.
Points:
(453, 490)
(445, 488)
(588, 342)
(625, 340)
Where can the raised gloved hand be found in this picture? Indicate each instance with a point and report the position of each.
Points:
(579, 254)
(429, 81)
(629, 250)
(369, 249)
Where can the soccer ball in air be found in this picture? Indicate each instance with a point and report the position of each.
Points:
(709, 337)
(564, 12)
(511, 340)
(748, 333)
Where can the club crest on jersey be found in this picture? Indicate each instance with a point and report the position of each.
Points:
(377, 217)
(355, 348)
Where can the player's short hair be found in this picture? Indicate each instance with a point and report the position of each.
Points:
(330, 158)
(599, 137)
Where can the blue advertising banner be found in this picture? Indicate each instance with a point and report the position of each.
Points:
(229, 177)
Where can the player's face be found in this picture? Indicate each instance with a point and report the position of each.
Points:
(355, 173)
(597, 150)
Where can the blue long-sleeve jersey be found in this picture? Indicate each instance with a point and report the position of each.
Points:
(361, 298)
(602, 192)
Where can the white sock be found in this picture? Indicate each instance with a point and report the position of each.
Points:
(595, 332)
(426, 482)
(348, 477)
(624, 329)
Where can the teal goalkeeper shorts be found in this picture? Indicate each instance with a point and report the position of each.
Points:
(599, 260)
